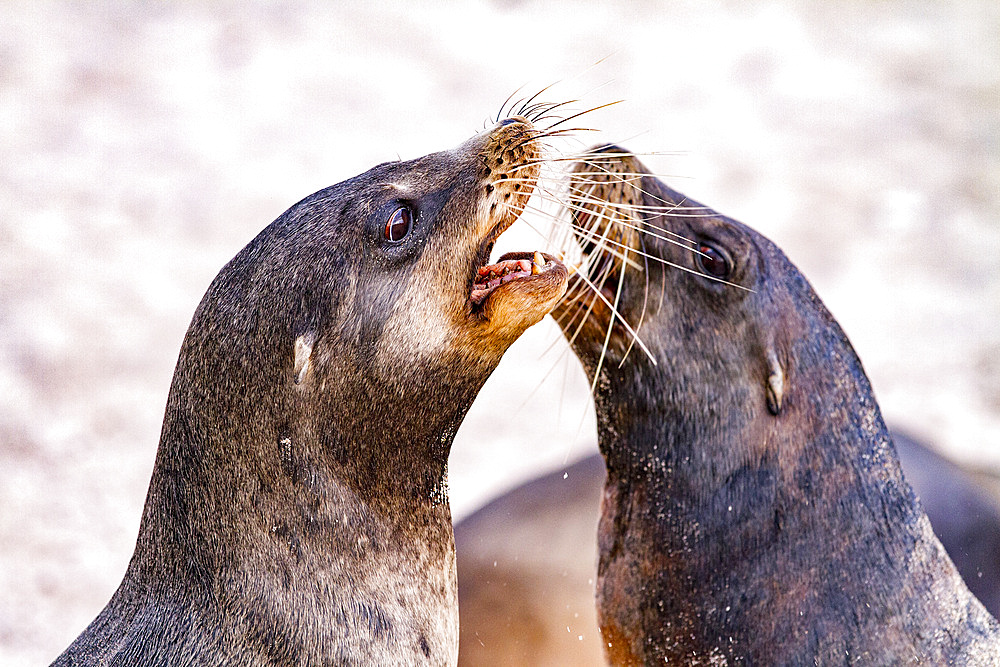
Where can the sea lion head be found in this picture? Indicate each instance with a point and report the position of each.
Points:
(690, 313)
(389, 264)
(353, 333)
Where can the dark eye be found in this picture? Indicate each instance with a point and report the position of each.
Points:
(399, 225)
(712, 262)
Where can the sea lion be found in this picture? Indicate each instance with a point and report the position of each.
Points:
(754, 511)
(527, 559)
(963, 514)
(298, 508)
(526, 568)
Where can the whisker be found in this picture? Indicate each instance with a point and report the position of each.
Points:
(542, 194)
(591, 236)
(683, 268)
(645, 296)
(565, 131)
(506, 101)
(673, 237)
(545, 108)
(584, 315)
(646, 192)
(595, 290)
(616, 315)
(581, 113)
(618, 220)
(611, 326)
(533, 97)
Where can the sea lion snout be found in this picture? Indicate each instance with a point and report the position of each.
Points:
(644, 243)
(542, 282)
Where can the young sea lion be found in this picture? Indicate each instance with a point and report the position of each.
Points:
(298, 509)
(754, 510)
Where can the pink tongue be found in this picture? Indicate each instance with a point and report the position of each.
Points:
(505, 266)
(492, 276)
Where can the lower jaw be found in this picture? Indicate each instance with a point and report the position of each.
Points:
(511, 267)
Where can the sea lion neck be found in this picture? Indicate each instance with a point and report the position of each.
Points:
(734, 501)
(251, 455)
(393, 437)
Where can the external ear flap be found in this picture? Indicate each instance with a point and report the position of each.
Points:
(775, 383)
(303, 354)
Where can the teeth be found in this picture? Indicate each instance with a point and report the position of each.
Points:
(490, 277)
(537, 262)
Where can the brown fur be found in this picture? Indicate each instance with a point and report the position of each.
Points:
(526, 568)
(527, 560)
(754, 511)
(298, 509)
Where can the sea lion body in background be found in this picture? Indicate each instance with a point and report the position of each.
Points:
(527, 560)
(963, 513)
(526, 569)
(754, 510)
(298, 509)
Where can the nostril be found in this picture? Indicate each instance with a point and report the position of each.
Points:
(507, 121)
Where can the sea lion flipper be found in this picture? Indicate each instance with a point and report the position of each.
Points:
(775, 383)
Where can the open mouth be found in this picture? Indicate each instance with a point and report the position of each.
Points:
(530, 279)
(512, 267)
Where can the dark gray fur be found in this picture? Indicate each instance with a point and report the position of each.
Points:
(303, 518)
(742, 525)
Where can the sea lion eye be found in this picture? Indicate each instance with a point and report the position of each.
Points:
(712, 262)
(399, 225)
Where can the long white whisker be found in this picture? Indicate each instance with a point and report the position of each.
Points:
(642, 312)
(616, 315)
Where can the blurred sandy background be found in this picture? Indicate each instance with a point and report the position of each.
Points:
(142, 146)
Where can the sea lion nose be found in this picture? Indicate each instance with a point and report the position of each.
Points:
(508, 121)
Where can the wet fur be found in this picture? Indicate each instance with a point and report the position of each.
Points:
(730, 534)
(527, 559)
(298, 509)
